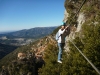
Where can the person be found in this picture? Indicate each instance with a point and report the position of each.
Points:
(62, 32)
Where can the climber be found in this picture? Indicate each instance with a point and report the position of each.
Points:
(62, 32)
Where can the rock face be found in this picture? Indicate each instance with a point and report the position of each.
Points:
(88, 14)
(21, 56)
(80, 20)
(66, 14)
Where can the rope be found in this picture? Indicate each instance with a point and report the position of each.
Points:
(78, 11)
(78, 48)
(86, 59)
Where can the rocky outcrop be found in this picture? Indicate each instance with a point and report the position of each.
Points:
(21, 56)
(76, 21)
(66, 15)
(81, 19)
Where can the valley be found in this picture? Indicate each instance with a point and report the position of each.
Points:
(16, 41)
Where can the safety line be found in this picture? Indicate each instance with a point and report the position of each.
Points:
(78, 48)
(86, 59)
(78, 11)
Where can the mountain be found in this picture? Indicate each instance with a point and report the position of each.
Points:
(31, 33)
(25, 36)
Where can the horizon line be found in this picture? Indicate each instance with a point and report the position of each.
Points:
(3, 31)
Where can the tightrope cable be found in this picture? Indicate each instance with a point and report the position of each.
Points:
(93, 66)
(87, 59)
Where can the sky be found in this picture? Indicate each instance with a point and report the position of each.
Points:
(26, 14)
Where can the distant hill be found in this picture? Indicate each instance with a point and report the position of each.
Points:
(25, 36)
(31, 33)
(5, 49)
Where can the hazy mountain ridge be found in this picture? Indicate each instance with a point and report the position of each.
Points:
(31, 33)
(25, 36)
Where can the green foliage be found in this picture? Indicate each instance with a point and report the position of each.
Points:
(13, 55)
(91, 49)
(19, 69)
(6, 49)
(51, 66)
